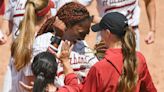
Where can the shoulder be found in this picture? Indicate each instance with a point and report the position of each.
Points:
(41, 43)
(142, 66)
(103, 66)
(141, 57)
(45, 36)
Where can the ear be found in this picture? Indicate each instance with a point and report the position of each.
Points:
(108, 32)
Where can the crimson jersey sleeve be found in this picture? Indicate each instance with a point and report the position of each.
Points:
(71, 84)
(93, 82)
(146, 81)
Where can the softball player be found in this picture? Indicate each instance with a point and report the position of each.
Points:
(17, 70)
(13, 16)
(81, 57)
(15, 11)
(131, 9)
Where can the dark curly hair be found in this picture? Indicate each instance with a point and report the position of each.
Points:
(72, 13)
(49, 26)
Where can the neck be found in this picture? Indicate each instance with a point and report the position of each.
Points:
(114, 44)
(51, 88)
(40, 23)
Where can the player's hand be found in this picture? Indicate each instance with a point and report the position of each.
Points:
(26, 87)
(3, 38)
(150, 37)
(65, 52)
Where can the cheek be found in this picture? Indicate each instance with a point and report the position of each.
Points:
(102, 35)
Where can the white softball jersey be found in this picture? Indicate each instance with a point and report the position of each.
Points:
(60, 3)
(81, 57)
(16, 77)
(129, 8)
(15, 12)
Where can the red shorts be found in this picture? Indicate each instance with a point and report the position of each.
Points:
(2, 7)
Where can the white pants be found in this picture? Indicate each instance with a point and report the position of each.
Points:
(98, 38)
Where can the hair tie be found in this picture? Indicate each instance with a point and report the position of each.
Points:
(41, 74)
(45, 10)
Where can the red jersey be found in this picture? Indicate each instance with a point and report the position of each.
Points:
(2, 7)
(104, 75)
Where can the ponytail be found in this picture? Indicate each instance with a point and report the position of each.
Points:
(22, 46)
(21, 49)
(129, 77)
(44, 67)
(39, 83)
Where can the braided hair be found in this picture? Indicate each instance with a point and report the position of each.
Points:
(72, 13)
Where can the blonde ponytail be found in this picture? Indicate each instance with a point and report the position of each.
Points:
(21, 48)
(129, 77)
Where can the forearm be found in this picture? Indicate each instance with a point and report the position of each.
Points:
(67, 67)
(6, 27)
(151, 12)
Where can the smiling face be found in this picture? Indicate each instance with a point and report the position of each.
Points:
(78, 31)
(76, 19)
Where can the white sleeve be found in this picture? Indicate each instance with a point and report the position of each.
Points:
(9, 11)
(27, 70)
(85, 2)
(41, 43)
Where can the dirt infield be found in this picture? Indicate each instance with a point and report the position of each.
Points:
(154, 53)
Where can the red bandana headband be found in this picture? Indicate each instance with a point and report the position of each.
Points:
(45, 10)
